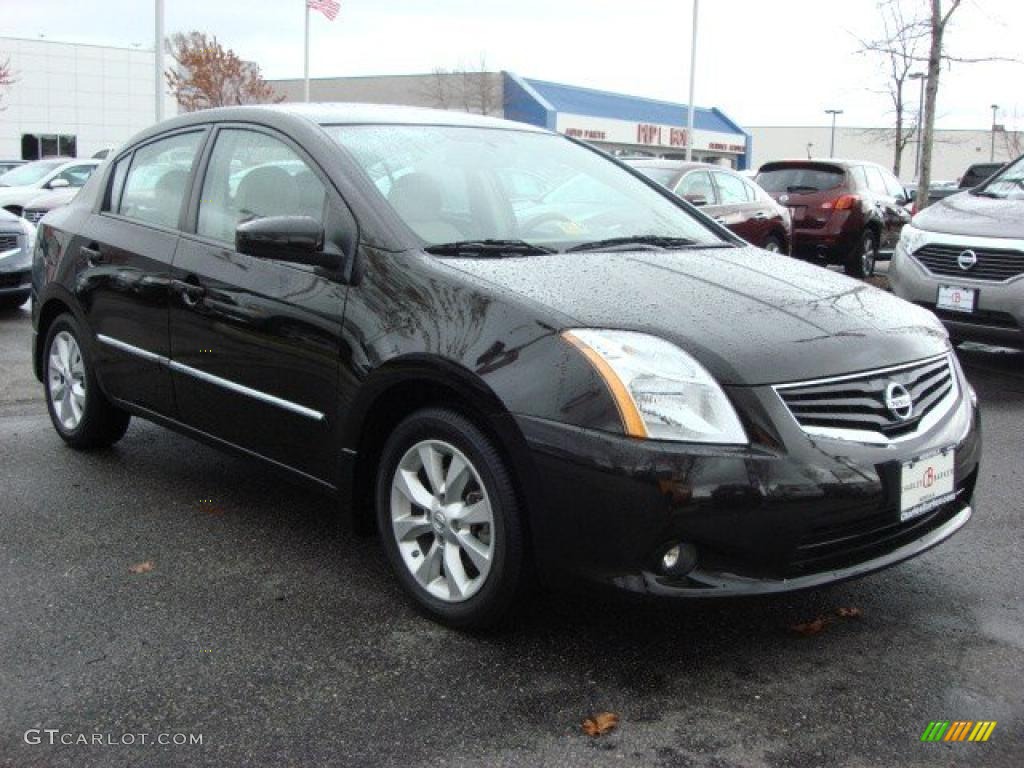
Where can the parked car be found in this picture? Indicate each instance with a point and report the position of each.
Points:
(844, 212)
(17, 238)
(616, 389)
(963, 258)
(727, 197)
(43, 203)
(6, 165)
(977, 173)
(21, 184)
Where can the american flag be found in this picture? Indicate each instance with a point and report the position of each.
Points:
(328, 8)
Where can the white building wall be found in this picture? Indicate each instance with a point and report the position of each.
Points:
(953, 152)
(101, 95)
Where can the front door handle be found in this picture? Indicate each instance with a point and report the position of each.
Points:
(92, 254)
(191, 293)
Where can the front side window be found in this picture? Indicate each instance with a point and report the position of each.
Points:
(450, 184)
(75, 175)
(157, 181)
(253, 175)
(731, 188)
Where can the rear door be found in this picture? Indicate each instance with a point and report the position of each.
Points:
(126, 251)
(255, 342)
(739, 208)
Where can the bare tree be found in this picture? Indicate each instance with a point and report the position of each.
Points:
(206, 74)
(7, 79)
(471, 89)
(900, 45)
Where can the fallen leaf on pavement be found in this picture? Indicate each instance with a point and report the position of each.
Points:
(811, 627)
(145, 567)
(849, 613)
(599, 725)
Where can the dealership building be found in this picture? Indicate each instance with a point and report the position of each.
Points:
(615, 122)
(74, 99)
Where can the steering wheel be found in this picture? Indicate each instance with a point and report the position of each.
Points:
(529, 225)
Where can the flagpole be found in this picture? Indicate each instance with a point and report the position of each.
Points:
(305, 88)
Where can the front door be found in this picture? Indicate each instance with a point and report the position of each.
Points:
(255, 342)
(126, 251)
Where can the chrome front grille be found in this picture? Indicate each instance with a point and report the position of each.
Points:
(994, 264)
(8, 242)
(33, 215)
(855, 407)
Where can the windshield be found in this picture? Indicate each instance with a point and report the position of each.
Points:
(456, 184)
(1008, 184)
(777, 181)
(30, 173)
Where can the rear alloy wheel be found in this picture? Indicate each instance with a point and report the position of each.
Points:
(861, 260)
(772, 245)
(80, 412)
(449, 519)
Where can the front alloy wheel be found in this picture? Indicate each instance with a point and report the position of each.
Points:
(449, 519)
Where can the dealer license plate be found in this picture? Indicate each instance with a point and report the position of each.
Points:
(956, 299)
(926, 483)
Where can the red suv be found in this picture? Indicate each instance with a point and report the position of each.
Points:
(844, 212)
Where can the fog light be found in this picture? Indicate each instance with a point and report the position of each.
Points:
(671, 558)
(679, 559)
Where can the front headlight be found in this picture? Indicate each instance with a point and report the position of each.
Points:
(661, 392)
(910, 240)
(30, 234)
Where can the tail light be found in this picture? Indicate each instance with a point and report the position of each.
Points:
(844, 203)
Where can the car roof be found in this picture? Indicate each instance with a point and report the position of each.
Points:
(675, 165)
(344, 113)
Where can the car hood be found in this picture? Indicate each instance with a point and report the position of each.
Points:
(748, 316)
(16, 195)
(50, 199)
(967, 214)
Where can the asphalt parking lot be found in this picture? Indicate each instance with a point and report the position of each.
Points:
(284, 641)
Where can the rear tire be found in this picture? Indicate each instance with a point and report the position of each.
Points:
(449, 519)
(860, 261)
(79, 410)
(773, 245)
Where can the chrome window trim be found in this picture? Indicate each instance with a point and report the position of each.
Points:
(936, 414)
(209, 378)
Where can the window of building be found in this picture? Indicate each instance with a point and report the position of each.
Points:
(35, 146)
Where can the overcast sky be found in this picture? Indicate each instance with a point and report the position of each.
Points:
(765, 63)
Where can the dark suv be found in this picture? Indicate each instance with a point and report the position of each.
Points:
(597, 382)
(977, 173)
(844, 212)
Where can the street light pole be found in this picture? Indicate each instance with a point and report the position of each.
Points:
(920, 116)
(158, 60)
(832, 143)
(992, 151)
(693, 80)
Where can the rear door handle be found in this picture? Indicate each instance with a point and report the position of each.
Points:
(761, 215)
(92, 254)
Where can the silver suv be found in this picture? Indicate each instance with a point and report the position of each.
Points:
(963, 258)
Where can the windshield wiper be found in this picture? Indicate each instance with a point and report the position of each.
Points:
(488, 248)
(986, 193)
(656, 241)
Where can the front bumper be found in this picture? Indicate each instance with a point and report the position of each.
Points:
(15, 282)
(999, 315)
(788, 512)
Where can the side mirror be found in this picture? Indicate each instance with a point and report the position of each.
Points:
(697, 200)
(58, 184)
(295, 239)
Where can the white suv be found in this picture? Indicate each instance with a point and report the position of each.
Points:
(21, 184)
(963, 258)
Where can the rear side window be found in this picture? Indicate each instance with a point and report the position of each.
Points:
(861, 181)
(252, 175)
(731, 188)
(157, 181)
(799, 179)
(876, 182)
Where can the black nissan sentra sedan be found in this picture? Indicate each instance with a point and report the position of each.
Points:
(595, 382)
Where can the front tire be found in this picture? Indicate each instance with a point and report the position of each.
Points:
(449, 519)
(80, 412)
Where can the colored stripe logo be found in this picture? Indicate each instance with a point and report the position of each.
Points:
(958, 730)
